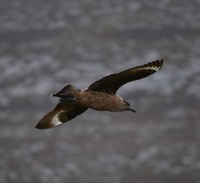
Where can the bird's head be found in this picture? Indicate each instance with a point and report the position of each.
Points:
(127, 107)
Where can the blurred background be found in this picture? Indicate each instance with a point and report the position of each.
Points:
(46, 43)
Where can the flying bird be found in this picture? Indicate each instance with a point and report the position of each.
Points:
(100, 95)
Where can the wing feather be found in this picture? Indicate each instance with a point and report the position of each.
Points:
(63, 112)
(110, 84)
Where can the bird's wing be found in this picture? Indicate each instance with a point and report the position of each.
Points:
(110, 84)
(63, 112)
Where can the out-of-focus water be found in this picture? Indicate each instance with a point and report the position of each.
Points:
(44, 44)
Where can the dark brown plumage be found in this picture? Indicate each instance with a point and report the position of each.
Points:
(101, 95)
(110, 84)
(64, 111)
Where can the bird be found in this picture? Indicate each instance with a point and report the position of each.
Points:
(100, 95)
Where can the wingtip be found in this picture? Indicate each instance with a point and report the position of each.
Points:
(159, 63)
(39, 127)
(42, 126)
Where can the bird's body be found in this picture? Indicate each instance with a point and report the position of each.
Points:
(100, 101)
(100, 96)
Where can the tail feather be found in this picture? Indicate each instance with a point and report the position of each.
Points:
(66, 91)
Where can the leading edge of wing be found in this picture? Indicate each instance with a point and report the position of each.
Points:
(111, 83)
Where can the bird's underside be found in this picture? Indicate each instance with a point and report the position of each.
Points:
(101, 95)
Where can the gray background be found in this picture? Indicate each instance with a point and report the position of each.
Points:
(46, 43)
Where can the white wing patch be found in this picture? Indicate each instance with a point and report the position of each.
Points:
(155, 68)
(55, 120)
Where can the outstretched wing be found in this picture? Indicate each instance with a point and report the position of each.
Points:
(110, 84)
(63, 112)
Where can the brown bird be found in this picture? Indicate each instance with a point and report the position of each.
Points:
(101, 96)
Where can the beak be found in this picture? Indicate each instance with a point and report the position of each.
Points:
(132, 110)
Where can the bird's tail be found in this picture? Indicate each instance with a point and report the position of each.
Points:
(67, 93)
